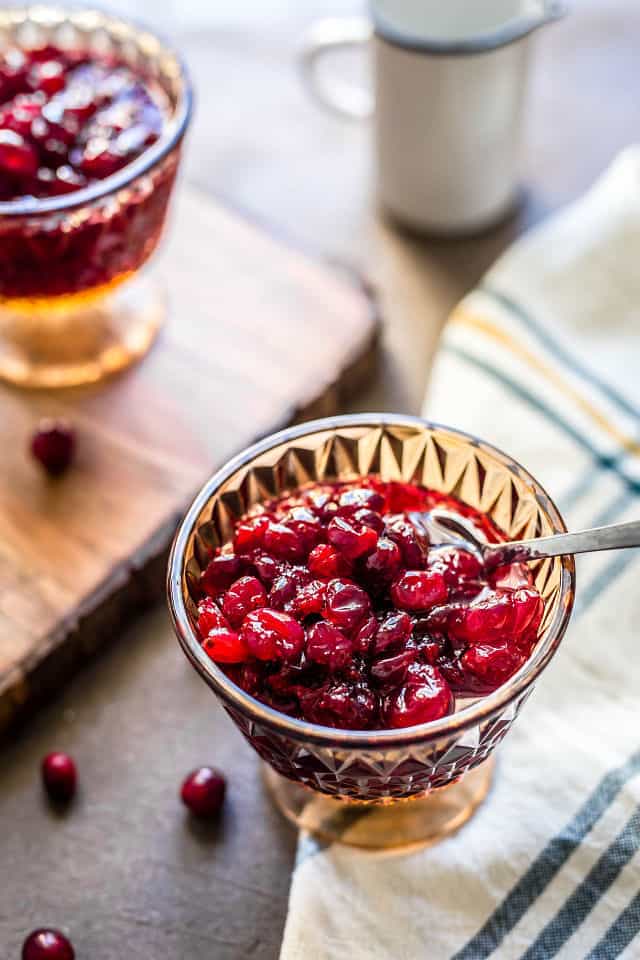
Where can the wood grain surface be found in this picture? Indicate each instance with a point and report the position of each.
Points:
(257, 334)
(125, 872)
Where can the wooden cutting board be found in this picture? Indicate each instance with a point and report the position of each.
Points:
(258, 335)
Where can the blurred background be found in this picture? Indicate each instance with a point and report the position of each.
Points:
(125, 868)
(259, 142)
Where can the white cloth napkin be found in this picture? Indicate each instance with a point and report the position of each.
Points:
(544, 361)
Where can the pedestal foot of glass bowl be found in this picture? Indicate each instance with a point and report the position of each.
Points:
(394, 826)
(68, 341)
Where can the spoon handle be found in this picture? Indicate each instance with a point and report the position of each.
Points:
(618, 536)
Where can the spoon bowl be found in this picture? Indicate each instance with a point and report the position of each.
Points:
(443, 527)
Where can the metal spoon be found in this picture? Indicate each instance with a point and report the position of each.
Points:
(442, 527)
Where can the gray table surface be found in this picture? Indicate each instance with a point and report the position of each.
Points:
(125, 871)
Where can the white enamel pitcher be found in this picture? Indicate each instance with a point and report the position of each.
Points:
(449, 84)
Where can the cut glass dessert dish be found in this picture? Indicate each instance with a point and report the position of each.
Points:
(372, 669)
(92, 115)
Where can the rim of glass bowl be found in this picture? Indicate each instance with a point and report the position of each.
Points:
(173, 130)
(235, 697)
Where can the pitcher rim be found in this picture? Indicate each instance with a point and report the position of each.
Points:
(507, 33)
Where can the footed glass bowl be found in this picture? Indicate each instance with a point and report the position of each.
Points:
(387, 788)
(74, 307)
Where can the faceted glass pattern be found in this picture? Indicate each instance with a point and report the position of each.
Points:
(373, 765)
(73, 305)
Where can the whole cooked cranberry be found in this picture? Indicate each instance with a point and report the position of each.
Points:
(59, 776)
(307, 525)
(221, 572)
(19, 114)
(18, 157)
(47, 945)
(460, 680)
(310, 598)
(455, 565)
(286, 585)
(404, 535)
(210, 617)
(282, 593)
(365, 634)
(487, 618)
(328, 646)
(325, 561)
(97, 159)
(491, 666)
(53, 446)
(316, 498)
(367, 518)
(354, 511)
(384, 562)
(392, 670)
(54, 124)
(329, 511)
(528, 609)
(346, 605)
(394, 631)
(343, 705)
(284, 542)
(419, 590)
(249, 535)
(225, 645)
(272, 635)
(66, 180)
(437, 619)
(353, 540)
(243, 596)
(362, 497)
(266, 567)
(13, 71)
(424, 696)
(203, 792)
(47, 76)
(50, 125)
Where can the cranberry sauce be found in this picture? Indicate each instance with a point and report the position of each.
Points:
(329, 607)
(67, 120)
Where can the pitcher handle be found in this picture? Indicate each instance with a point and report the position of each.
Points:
(335, 33)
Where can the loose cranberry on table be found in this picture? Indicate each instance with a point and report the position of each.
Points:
(53, 446)
(203, 792)
(47, 945)
(328, 606)
(59, 776)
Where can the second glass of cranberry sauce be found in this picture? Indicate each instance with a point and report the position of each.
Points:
(68, 119)
(328, 607)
